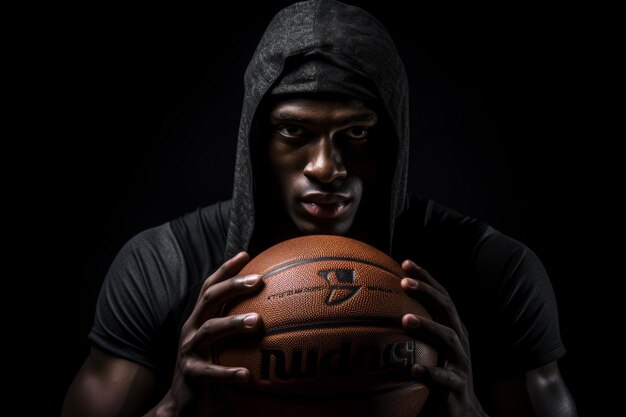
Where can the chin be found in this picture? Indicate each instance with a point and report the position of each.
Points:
(308, 228)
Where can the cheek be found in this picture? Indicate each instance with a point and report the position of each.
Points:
(362, 163)
(285, 167)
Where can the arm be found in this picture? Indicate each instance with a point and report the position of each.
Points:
(109, 386)
(548, 393)
(542, 393)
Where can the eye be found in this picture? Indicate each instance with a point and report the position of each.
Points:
(290, 131)
(358, 134)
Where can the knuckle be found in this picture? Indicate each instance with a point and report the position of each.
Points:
(457, 383)
(208, 371)
(234, 283)
(185, 348)
(224, 267)
(452, 337)
(208, 329)
(427, 289)
(207, 296)
(187, 367)
(443, 291)
(212, 279)
(207, 282)
(449, 379)
(465, 360)
(235, 321)
(449, 308)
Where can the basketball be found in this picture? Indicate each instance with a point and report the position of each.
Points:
(332, 337)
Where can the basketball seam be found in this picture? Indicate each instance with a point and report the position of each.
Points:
(336, 324)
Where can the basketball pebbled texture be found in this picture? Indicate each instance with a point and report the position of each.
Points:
(331, 309)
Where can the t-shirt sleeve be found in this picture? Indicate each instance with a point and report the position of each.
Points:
(144, 281)
(522, 303)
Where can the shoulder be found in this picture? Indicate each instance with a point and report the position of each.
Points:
(209, 220)
(428, 229)
(167, 255)
(426, 213)
(152, 258)
(146, 279)
(438, 229)
(178, 253)
(201, 236)
(151, 279)
(157, 244)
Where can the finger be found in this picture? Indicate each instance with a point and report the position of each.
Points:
(442, 377)
(438, 304)
(415, 271)
(465, 337)
(210, 302)
(444, 339)
(228, 269)
(219, 328)
(195, 369)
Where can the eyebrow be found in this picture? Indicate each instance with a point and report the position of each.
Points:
(289, 117)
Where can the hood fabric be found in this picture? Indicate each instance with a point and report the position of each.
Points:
(319, 47)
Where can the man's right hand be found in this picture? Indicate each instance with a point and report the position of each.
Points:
(195, 373)
(107, 385)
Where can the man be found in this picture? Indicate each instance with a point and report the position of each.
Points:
(323, 149)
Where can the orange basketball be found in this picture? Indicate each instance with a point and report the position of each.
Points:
(332, 338)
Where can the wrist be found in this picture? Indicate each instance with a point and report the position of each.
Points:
(167, 407)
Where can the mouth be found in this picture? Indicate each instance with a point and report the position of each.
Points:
(325, 205)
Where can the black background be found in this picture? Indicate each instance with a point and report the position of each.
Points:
(504, 115)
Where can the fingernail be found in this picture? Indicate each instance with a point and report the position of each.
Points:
(250, 320)
(241, 374)
(412, 321)
(250, 280)
(411, 283)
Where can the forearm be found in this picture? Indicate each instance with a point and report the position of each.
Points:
(109, 386)
(164, 409)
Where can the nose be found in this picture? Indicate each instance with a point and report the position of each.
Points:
(325, 164)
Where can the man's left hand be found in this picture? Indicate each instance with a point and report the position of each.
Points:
(452, 383)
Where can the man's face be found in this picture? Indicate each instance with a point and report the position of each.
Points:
(324, 156)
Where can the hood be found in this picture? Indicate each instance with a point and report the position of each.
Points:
(353, 40)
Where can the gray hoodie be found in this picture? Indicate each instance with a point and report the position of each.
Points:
(313, 47)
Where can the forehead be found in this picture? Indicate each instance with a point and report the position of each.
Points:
(305, 109)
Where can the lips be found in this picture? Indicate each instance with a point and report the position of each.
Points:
(325, 205)
(325, 198)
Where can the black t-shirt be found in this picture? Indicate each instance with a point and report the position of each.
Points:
(500, 288)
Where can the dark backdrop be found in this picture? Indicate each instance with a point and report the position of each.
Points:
(502, 119)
